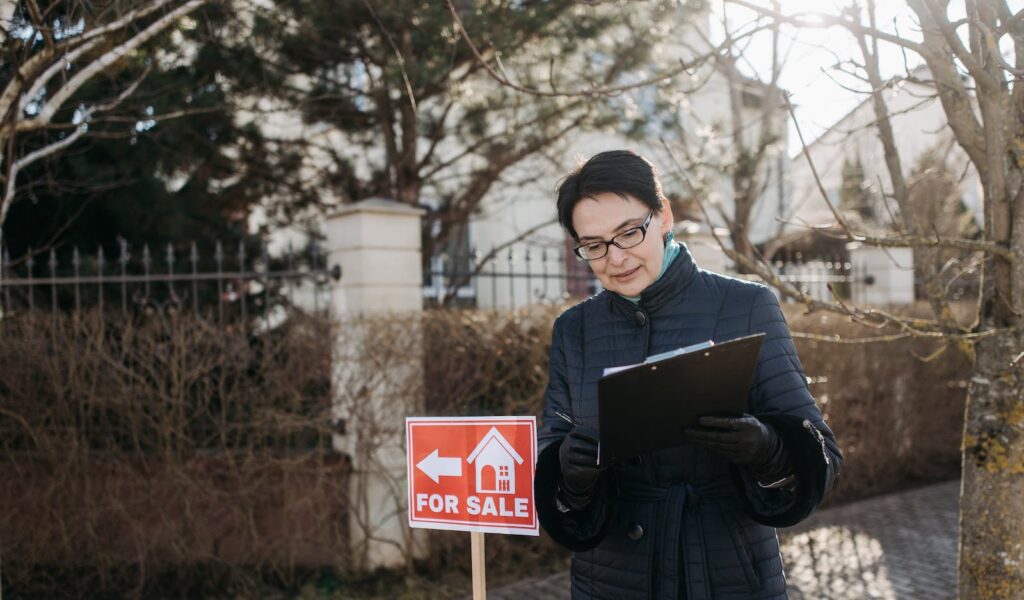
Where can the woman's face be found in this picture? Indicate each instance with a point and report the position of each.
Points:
(602, 217)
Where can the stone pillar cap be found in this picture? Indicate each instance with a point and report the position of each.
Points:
(377, 205)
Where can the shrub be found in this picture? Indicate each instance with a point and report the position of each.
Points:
(131, 448)
(165, 453)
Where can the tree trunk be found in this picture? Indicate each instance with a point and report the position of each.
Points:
(744, 197)
(991, 560)
(741, 243)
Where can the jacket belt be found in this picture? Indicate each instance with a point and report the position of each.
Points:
(691, 494)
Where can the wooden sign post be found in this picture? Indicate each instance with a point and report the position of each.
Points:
(473, 474)
(479, 566)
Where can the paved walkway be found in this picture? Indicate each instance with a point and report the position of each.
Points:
(896, 547)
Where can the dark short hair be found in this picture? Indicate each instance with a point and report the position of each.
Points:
(619, 172)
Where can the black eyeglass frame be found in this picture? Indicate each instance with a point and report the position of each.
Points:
(643, 236)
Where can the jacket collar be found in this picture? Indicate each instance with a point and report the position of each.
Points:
(676, 278)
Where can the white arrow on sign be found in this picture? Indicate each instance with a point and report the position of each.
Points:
(437, 467)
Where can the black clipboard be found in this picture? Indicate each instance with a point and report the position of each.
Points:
(645, 408)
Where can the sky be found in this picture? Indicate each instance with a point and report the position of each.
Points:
(819, 100)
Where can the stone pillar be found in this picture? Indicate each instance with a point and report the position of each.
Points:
(377, 244)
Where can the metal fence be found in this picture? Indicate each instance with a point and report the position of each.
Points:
(506, 278)
(815, 276)
(247, 281)
(227, 285)
(516, 278)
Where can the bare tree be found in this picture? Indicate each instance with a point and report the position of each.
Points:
(738, 144)
(752, 136)
(976, 64)
(936, 207)
(51, 51)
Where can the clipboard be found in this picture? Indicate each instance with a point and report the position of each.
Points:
(645, 407)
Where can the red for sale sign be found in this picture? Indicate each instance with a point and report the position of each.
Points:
(472, 473)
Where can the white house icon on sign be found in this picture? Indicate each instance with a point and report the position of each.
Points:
(495, 460)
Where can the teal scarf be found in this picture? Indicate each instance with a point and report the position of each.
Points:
(671, 252)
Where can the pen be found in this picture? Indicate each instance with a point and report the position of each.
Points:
(568, 419)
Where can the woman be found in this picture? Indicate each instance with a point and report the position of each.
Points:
(694, 522)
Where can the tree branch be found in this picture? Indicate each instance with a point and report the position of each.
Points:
(104, 61)
(937, 19)
(814, 172)
(684, 67)
(884, 125)
(872, 317)
(128, 18)
(53, 69)
(21, 163)
(50, 149)
(37, 20)
(824, 21)
(954, 96)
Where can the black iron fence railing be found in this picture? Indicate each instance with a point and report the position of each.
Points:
(509, 278)
(246, 282)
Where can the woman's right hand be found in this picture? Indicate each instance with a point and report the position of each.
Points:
(578, 460)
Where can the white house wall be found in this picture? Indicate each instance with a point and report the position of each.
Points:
(916, 129)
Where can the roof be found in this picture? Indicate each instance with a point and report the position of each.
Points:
(916, 72)
(495, 436)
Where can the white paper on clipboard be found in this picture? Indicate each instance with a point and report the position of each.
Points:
(664, 355)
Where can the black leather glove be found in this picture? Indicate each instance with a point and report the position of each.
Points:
(577, 458)
(746, 442)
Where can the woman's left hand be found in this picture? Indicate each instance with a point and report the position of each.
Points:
(744, 440)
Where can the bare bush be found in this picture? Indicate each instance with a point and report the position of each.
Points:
(169, 454)
(896, 406)
(130, 448)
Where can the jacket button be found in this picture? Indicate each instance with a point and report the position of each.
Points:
(640, 318)
(635, 532)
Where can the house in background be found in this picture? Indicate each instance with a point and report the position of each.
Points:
(919, 125)
(850, 163)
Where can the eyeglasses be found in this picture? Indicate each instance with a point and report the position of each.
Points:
(629, 238)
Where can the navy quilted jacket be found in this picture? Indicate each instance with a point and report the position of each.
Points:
(681, 523)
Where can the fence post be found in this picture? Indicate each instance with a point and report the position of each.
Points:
(377, 244)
